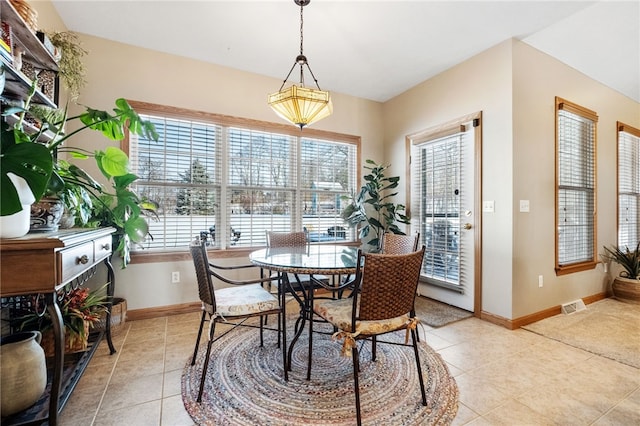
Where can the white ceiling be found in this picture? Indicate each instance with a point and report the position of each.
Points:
(371, 49)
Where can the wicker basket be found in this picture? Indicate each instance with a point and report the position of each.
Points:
(118, 317)
(79, 345)
(28, 13)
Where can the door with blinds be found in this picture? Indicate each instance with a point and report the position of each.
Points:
(443, 176)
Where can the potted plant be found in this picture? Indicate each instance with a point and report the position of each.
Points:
(372, 207)
(70, 65)
(22, 156)
(626, 286)
(81, 309)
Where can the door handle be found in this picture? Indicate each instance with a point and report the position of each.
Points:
(467, 226)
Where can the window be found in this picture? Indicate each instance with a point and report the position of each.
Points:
(230, 179)
(575, 187)
(628, 186)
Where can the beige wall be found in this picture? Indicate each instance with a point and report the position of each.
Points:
(483, 83)
(538, 78)
(512, 84)
(116, 70)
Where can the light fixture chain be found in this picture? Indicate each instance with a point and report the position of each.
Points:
(301, 44)
(301, 24)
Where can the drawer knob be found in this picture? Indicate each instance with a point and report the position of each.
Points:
(84, 259)
(106, 246)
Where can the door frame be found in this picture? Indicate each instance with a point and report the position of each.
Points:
(433, 133)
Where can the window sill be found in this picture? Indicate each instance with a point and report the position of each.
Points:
(578, 267)
(145, 256)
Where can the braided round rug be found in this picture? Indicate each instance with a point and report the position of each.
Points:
(245, 384)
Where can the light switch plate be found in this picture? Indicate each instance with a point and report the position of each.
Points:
(488, 206)
(524, 206)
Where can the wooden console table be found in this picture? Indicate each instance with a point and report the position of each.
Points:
(44, 264)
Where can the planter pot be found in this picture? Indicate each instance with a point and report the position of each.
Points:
(23, 371)
(118, 317)
(67, 220)
(626, 289)
(17, 224)
(79, 345)
(46, 214)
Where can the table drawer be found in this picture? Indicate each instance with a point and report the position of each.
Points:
(75, 260)
(102, 248)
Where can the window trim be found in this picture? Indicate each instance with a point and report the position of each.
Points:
(147, 108)
(563, 104)
(625, 128)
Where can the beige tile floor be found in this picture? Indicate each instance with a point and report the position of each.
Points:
(505, 378)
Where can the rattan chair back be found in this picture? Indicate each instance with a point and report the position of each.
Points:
(201, 263)
(286, 239)
(389, 284)
(399, 244)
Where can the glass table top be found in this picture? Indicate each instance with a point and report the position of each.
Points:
(312, 259)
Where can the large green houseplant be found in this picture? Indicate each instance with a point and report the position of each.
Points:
(626, 286)
(22, 155)
(372, 207)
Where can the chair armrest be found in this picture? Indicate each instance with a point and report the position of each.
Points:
(239, 282)
(228, 268)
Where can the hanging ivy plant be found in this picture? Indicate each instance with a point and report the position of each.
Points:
(72, 69)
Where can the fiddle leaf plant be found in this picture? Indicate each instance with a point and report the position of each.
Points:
(372, 207)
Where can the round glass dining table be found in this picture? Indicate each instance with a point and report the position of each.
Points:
(312, 259)
(321, 260)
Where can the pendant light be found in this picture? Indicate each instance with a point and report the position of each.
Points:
(301, 105)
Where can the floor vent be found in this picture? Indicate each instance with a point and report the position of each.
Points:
(575, 306)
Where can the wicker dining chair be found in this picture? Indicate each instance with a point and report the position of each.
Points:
(230, 305)
(384, 303)
(399, 244)
(292, 239)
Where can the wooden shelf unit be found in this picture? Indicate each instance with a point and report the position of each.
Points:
(54, 261)
(17, 85)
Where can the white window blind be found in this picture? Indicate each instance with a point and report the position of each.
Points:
(230, 180)
(326, 173)
(436, 182)
(575, 186)
(181, 172)
(628, 187)
(261, 184)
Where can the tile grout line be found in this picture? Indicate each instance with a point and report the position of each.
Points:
(164, 367)
(104, 391)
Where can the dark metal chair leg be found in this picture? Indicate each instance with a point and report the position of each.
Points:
(373, 348)
(195, 350)
(418, 366)
(283, 314)
(262, 330)
(206, 362)
(356, 383)
(310, 313)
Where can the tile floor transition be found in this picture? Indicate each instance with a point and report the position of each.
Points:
(505, 378)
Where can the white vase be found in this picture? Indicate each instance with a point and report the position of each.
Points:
(24, 371)
(17, 224)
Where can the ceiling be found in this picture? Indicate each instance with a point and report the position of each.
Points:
(371, 49)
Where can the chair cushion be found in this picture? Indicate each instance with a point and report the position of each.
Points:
(338, 313)
(244, 300)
